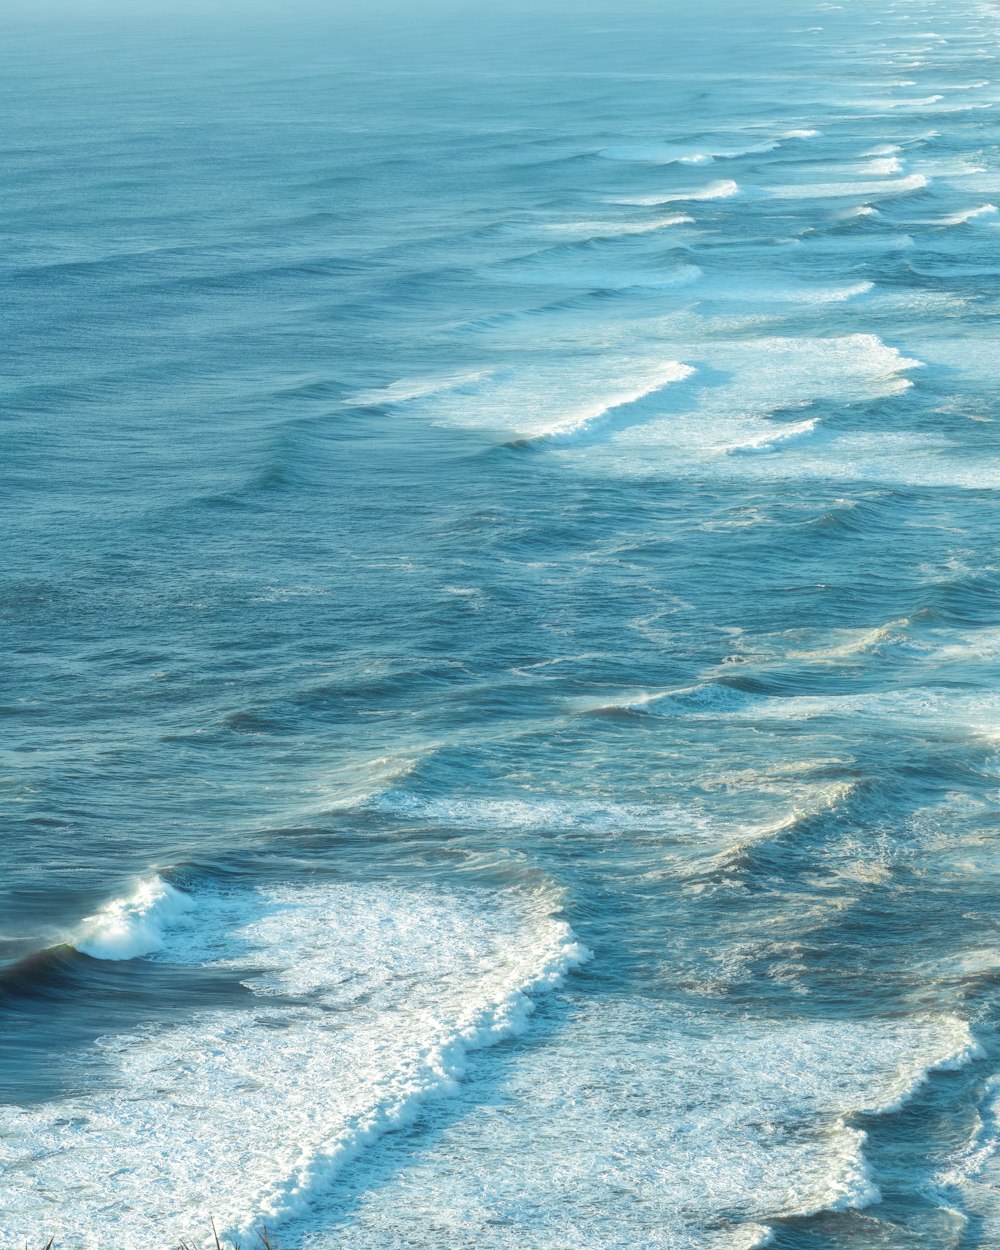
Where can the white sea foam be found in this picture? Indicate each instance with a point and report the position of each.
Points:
(639, 1118)
(961, 1049)
(365, 1003)
(977, 713)
(976, 1165)
(838, 644)
(856, 358)
(126, 928)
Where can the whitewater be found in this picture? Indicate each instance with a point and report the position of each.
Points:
(501, 626)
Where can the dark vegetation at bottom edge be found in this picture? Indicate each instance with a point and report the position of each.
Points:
(262, 1241)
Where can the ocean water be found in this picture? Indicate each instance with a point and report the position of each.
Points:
(501, 617)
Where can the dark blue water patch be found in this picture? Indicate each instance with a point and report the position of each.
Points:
(944, 1111)
(55, 1004)
(971, 598)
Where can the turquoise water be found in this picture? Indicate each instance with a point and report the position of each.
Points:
(501, 627)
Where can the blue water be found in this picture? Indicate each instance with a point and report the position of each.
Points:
(501, 624)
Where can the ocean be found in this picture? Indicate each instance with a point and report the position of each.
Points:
(501, 625)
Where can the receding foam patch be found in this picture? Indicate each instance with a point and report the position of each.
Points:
(639, 1125)
(367, 1001)
(971, 1178)
(978, 712)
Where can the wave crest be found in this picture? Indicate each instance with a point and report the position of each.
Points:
(127, 928)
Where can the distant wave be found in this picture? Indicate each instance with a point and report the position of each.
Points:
(614, 704)
(405, 389)
(696, 154)
(738, 857)
(561, 404)
(586, 418)
(949, 167)
(721, 190)
(702, 152)
(765, 292)
(542, 269)
(847, 516)
(969, 215)
(711, 697)
(853, 643)
(884, 166)
(839, 190)
(597, 230)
